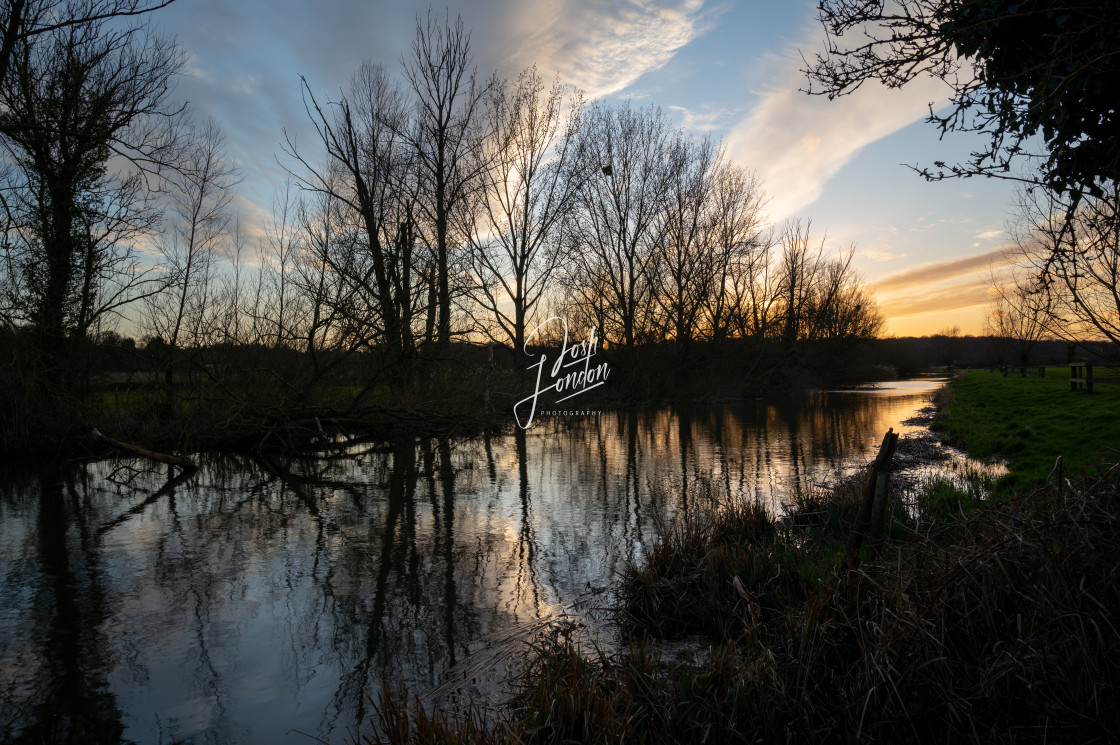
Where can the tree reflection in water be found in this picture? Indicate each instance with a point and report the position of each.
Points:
(266, 594)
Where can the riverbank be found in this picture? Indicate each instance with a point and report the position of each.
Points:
(974, 619)
(1027, 422)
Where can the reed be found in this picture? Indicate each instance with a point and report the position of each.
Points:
(986, 625)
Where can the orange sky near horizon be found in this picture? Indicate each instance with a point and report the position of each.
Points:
(939, 295)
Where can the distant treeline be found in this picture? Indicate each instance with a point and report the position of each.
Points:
(910, 355)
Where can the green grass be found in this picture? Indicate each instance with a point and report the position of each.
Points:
(128, 401)
(1028, 422)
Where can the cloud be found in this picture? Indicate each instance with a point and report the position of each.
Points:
(940, 287)
(940, 271)
(602, 46)
(879, 255)
(989, 234)
(798, 142)
(706, 118)
(245, 59)
(965, 292)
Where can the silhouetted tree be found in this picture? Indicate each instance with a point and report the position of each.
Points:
(72, 100)
(447, 101)
(947, 346)
(1070, 250)
(1040, 69)
(515, 225)
(23, 20)
(683, 271)
(199, 193)
(799, 271)
(620, 209)
(1017, 317)
(736, 244)
(372, 171)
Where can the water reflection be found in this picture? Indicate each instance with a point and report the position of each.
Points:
(265, 595)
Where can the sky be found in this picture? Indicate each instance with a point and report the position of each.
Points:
(729, 68)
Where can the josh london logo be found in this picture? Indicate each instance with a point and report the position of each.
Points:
(571, 373)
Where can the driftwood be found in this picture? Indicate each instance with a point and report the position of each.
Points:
(174, 460)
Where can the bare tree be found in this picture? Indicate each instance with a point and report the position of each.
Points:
(199, 194)
(444, 132)
(799, 273)
(683, 272)
(737, 244)
(281, 246)
(1018, 316)
(619, 213)
(755, 289)
(334, 329)
(1072, 254)
(231, 319)
(947, 346)
(372, 172)
(515, 228)
(842, 307)
(23, 20)
(70, 101)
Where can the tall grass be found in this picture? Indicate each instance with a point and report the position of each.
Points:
(999, 624)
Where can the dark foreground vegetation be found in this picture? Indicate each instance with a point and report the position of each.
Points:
(976, 618)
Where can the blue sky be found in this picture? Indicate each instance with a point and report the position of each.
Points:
(732, 68)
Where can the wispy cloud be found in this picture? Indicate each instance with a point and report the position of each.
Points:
(883, 254)
(931, 273)
(798, 142)
(603, 46)
(966, 292)
(246, 58)
(940, 287)
(705, 118)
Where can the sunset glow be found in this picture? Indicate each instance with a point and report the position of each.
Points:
(731, 69)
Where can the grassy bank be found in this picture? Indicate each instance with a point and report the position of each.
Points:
(972, 620)
(1028, 422)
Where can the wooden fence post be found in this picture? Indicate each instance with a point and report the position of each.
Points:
(873, 512)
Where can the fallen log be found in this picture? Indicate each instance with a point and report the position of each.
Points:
(174, 460)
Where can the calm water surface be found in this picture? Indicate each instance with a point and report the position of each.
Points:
(263, 597)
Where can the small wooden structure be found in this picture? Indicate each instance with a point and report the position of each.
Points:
(1081, 375)
(874, 512)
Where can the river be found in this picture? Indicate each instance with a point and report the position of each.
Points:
(263, 598)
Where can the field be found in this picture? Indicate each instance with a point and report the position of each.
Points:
(1028, 422)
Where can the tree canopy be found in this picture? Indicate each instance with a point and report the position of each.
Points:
(1045, 68)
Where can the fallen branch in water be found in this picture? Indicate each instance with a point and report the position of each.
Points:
(174, 460)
